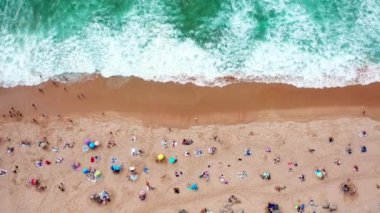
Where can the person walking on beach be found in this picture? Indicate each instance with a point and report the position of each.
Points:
(148, 186)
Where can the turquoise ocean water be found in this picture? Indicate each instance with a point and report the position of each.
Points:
(307, 43)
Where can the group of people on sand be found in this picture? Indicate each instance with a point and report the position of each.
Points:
(104, 197)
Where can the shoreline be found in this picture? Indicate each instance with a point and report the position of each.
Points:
(184, 105)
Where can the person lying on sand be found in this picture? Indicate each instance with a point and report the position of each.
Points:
(3, 172)
(177, 173)
(10, 149)
(337, 162)
(301, 177)
(25, 142)
(15, 170)
(223, 179)
(349, 149)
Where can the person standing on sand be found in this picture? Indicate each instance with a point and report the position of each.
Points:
(148, 186)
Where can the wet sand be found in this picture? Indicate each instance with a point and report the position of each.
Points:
(179, 105)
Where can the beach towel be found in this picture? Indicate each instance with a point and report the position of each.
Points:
(242, 175)
(247, 152)
(55, 149)
(198, 153)
(133, 178)
(85, 148)
(75, 166)
(146, 170)
(135, 151)
(38, 163)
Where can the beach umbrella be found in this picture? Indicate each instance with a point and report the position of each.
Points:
(91, 145)
(85, 170)
(43, 145)
(172, 160)
(87, 141)
(97, 173)
(161, 157)
(97, 143)
(34, 181)
(194, 187)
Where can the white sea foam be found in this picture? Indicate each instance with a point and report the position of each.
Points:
(153, 51)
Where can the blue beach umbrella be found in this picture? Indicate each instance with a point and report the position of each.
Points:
(85, 170)
(172, 160)
(116, 167)
(91, 145)
(194, 187)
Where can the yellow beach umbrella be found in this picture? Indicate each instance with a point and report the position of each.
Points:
(161, 157)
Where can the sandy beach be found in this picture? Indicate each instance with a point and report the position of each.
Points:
(274, 121)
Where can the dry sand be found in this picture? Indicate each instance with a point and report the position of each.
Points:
(284, 118)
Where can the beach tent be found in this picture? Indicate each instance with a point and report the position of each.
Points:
(34, 182)
(187, 141)
(265, 176)
(319, 174)
(172, 160)
(273, 208)
(116, 168)
(160, 157)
